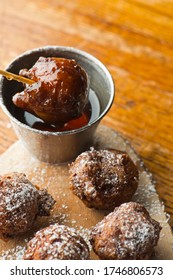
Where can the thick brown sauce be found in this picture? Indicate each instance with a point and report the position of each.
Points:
(73, 124)
(90, 113)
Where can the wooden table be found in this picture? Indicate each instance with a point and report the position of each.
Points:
(134, 39)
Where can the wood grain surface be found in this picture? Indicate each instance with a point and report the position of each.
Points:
(134, 39)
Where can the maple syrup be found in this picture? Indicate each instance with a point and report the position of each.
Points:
(90, 113)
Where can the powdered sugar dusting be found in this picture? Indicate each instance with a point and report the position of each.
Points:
(126, 233)
(18, 198)
(68, 209)
(15, 198)
(57, 242)
(15, 253)
(103, 178)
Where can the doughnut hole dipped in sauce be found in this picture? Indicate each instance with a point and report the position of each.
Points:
(59, 94)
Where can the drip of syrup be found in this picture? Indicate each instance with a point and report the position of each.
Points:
(91, 112)
(73, 124)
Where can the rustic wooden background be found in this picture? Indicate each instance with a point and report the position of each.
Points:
(134, 39)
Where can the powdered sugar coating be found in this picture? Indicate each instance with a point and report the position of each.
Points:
(20, 203)
(127, 233)
(57, 242)
(55, 178)
(103, 178)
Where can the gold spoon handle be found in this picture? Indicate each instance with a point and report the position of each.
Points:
(15, 77)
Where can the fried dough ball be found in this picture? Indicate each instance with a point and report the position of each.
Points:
(20, 203)
(57, 242)
(60, 92)
(103, 179)
(128, 233)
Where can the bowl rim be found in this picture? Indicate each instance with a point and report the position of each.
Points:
(62, 49)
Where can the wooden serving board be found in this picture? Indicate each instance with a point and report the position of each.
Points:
(69, 210)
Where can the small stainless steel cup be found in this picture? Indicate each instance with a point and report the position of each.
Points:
(58, 147)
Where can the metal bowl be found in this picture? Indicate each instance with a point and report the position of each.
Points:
(58, 147)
